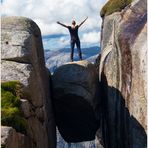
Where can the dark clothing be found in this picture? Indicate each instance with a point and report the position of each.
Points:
(77, 42)
(73, 32)
(74, 40)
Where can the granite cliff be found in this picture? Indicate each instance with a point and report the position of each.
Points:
(23, 61)
(122, 73)
(83, 101)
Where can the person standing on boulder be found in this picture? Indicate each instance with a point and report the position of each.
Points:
(73, 30)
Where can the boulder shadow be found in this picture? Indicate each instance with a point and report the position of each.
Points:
(119, 129)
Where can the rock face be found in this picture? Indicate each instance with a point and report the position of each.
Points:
(75, 87)
(122, 73)
(23, 60)
(9, 138)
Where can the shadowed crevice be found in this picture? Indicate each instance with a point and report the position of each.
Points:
(119, 128)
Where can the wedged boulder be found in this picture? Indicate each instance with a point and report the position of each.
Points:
(23, 60)
(122, 72)
(76, 100)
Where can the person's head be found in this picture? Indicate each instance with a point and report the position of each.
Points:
(74, 22)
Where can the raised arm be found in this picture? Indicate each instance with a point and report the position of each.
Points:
(82, 22)
(62, 24)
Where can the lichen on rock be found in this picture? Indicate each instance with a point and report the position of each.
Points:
(23, 60)
(11, 106)
(114, 6)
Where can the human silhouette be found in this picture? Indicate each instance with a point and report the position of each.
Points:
(73, 30)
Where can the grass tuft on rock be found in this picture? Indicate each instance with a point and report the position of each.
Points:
(114, 6)
(11, 114)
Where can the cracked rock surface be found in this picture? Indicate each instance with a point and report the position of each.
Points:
(122, 72)
(23, 60)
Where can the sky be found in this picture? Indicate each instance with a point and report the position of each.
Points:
(47, 12)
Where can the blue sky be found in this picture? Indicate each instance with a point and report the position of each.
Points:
(47, 12)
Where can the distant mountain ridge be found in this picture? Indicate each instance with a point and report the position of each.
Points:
(57, 58)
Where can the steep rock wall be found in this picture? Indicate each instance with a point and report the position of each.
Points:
(122, 73)
(23, 60)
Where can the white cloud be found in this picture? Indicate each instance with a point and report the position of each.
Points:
(56, 43)
(87, 40)
(46, 12)
(51, 28)
(91, 37)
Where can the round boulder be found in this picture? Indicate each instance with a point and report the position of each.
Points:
(76, 101)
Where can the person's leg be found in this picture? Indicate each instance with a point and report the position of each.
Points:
(79, 49)
(72, 50)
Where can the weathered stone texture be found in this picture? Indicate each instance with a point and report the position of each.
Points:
(10, 138)
(122, 73)
(23, 60)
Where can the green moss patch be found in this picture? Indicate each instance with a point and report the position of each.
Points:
(11, 114)
(114, 6)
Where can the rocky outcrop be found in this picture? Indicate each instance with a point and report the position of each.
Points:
(10, 138)
(119, 111)
(76, 93)
(122, 73)
(23, 60)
